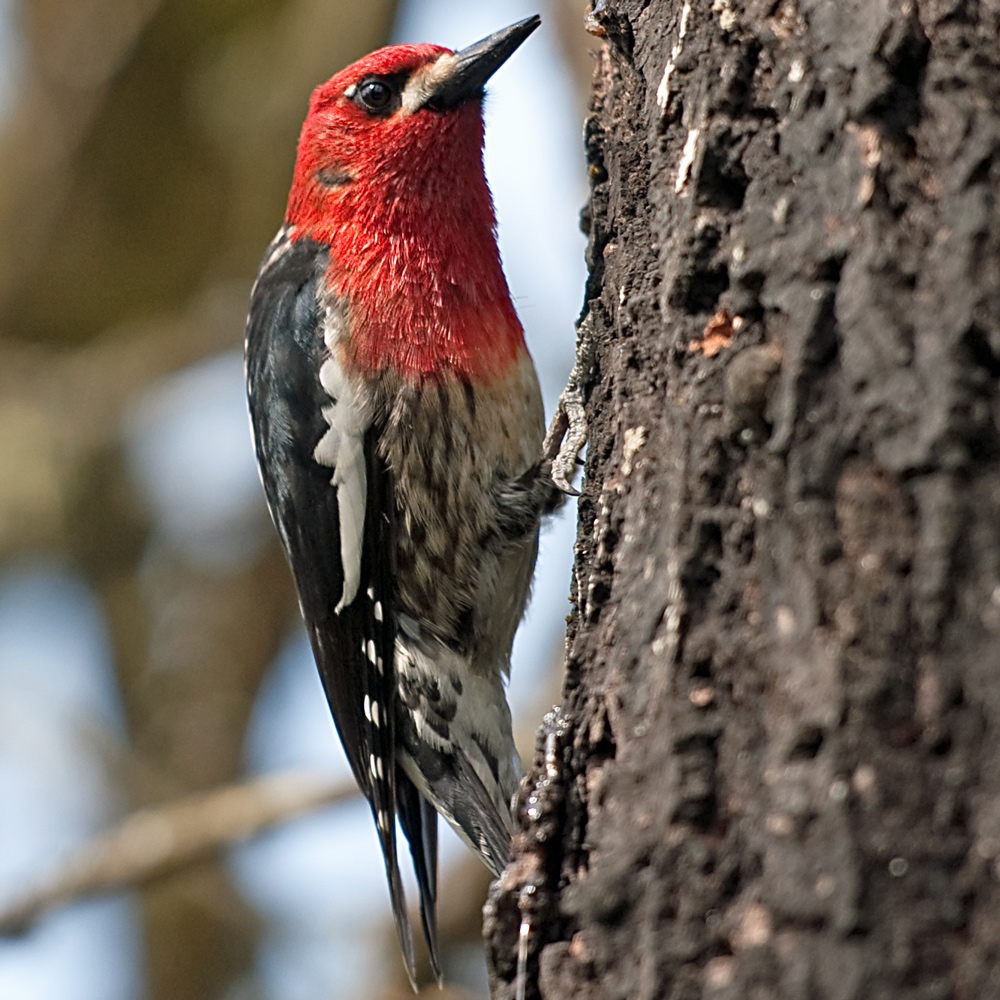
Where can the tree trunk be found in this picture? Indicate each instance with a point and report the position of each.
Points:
(775, 772)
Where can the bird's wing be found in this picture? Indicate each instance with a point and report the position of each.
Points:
(331, 498)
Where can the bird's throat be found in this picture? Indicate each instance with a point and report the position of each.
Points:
(425, 300)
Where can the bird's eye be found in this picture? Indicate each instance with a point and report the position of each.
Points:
(376, 95)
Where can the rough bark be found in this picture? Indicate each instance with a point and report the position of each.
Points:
(775, 770)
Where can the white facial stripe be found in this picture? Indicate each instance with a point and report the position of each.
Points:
(425, 81)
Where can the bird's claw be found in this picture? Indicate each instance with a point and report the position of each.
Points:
(567, 433)
(565, 439)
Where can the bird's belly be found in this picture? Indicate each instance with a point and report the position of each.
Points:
(448, 446)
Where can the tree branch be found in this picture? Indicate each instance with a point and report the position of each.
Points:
(154, 842)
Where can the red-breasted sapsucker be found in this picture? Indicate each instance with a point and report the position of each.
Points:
(398, 427)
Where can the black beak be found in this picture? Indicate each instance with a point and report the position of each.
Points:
(477, 63)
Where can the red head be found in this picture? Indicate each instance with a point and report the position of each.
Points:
(390, 176)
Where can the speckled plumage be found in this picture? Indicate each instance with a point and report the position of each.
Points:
(398, 427)
(450, 446)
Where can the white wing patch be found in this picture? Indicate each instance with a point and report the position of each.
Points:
(342, 448)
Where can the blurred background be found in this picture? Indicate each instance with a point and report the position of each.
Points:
(150, 649)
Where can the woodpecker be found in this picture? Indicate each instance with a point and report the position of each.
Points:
(398, 426)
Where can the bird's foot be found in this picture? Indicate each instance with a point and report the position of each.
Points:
(567, 433)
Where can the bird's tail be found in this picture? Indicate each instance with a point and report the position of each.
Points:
(454, 740)
(419, 822)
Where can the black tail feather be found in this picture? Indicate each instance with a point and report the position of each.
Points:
(397, 896)
(418, 819)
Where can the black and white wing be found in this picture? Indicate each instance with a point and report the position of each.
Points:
(332, 501)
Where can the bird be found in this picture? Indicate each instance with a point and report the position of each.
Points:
(398, 424)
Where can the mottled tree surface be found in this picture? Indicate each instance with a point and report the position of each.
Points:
(775, 772)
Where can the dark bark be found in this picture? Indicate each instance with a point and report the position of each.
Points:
(775, 772)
